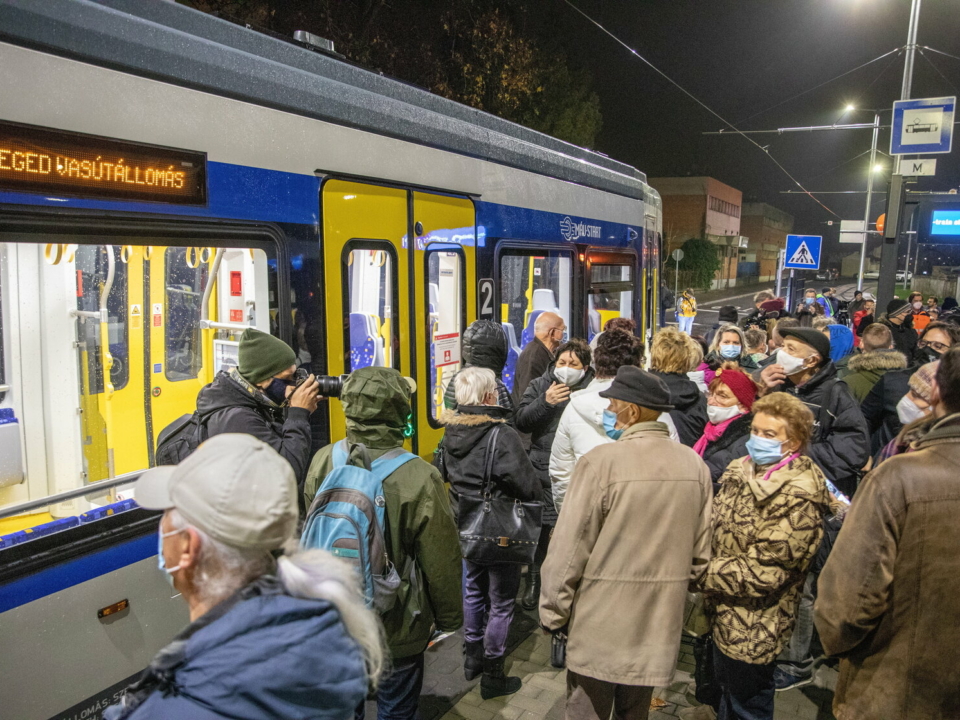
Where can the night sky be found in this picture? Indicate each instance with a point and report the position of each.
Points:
(742, 57)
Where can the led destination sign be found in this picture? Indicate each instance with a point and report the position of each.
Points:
(35, 159)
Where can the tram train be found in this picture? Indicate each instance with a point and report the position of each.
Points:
(168, 179)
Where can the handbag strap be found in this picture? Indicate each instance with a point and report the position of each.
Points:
(488, 460)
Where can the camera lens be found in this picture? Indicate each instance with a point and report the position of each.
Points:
(331, 385)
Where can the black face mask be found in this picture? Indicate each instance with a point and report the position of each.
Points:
(277, 390)
(927, 355)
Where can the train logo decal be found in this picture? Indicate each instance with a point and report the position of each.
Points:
(575, 230)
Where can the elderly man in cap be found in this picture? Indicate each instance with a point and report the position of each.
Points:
(840, 444)
(283, 638)
(258, 398)
(899, 319)
(633, 531)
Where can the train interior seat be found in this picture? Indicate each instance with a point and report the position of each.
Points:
(594, 324)
(364, 341)
(527, 336)
(513, 353)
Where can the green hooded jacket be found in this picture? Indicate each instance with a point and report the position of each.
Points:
(420, 524)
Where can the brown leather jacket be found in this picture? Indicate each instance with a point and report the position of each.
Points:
(889, 596)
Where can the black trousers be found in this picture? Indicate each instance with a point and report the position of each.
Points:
(747, 689)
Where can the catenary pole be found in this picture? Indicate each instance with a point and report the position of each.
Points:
(866, 212)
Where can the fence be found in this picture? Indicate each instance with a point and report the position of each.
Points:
(937, 286)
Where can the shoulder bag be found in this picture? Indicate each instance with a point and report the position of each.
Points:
(497, 529)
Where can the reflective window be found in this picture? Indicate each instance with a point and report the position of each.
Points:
(102, 282)
(611, 294)
(185, 279)
(445, 301)
(370, 282)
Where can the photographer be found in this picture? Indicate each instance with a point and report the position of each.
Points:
(258, 398)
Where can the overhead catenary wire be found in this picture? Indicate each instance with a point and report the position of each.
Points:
(931, 64)
(940, 52)
(706, 107)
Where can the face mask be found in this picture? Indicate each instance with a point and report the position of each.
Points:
(730, 352)
(168, 572)
(789, 363)
(569, 376)
(917, 306)
(809, 301)
(908, 411)
(764, 451)
(277, 390)
(610, 425)
(718, 415)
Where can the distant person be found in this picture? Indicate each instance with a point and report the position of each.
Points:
(686, 311)
(615, 586)
(728, 315)
(672, 356)
(756, 344)
(932, 304)
(270, 634)
(484, 345)
(876, 357)
(617, 323)
(667, 299)
(921, 318)
(259, 398)
(809, 308)
(900, 321)
(825, 301)
(766, 306)
(536, 357)
(864, 318)
(889, 596)
(855, 304)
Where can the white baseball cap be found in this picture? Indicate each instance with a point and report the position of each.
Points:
(235, 488)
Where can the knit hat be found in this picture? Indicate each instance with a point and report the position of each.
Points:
(896, 306)
(921, 382)
(740, 385)
(808, 336)
(261, 356)
(639, 387)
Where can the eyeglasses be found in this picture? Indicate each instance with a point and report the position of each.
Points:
(937, 347)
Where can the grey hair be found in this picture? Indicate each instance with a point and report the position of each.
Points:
(309, 574)
(474, 384)
(819, 323)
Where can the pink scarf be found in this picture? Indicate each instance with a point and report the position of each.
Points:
(712, 433)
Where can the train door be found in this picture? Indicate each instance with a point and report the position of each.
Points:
(366, 276)
(443, 268)
(611, 288)
(651, 274)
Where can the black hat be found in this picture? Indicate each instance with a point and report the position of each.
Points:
(808, 336)
(728, 313)
(895, 306)
(636, 386)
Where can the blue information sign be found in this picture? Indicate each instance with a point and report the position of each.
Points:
(922, 127)
(803, 252)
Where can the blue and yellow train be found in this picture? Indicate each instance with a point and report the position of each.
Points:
(168, 179)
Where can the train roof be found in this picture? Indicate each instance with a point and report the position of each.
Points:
(176, 44)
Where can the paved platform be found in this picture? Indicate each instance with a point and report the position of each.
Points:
(447, 696)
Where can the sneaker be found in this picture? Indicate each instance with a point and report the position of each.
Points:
(794, 678)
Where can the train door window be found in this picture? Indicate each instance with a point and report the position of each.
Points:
(370, 282)
(186, 271)
(102, 282)
(611, 290)
(445, 320)
(3, 350)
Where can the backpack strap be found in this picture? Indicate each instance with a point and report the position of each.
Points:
(343, 450)
(388, 463)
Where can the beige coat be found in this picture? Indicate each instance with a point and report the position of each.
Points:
(632, 533)
(889, 596)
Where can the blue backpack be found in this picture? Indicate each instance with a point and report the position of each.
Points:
(347, 518)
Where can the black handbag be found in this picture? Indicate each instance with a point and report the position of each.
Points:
(708, 689)
(558, 648)
(497, 529)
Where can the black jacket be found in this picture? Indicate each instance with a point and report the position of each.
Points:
(689, 412)
(228, 407)
(540, 419)
(731, 445)
(840, 444)
(533, 362)
(904, 337)
(485, 345)
(465, 447)
(879, 407)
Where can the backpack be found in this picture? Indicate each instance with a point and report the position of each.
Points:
(180, 438)
(347, 519)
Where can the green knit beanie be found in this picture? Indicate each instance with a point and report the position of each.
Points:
(262, 356)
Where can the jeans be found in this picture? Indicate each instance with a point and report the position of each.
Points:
(797, 652)
(399, 692)
(686, 324)
(747, 689)
(489, 596)
(592, 699)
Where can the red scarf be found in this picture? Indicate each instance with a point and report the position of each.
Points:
(712, 433)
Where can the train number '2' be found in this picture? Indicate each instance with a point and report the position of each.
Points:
(485, 291)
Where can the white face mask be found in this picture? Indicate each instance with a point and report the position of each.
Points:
(917, 306)
(789, 363)
(908, 411)
(718, 415)
(569, 376)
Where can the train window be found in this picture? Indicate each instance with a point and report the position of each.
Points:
(445, 318)
(163, 317)
(3, 352)
(370, 283)
(610, 295)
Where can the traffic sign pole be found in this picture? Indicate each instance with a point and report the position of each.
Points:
(866, 212)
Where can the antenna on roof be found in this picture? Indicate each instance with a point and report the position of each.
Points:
(308, 38)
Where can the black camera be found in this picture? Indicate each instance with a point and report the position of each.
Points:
(330, 385)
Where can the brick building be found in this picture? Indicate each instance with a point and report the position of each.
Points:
(703, 207)
(766, 229)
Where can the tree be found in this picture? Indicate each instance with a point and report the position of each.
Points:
(701, 261)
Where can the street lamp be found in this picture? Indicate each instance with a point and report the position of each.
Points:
(878, 168)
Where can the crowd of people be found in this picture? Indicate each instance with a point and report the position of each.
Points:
(791, 482)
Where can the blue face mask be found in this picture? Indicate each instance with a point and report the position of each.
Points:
(730, 352)
(764, 451)
(161, 565)
(610, 425)
(809, 301)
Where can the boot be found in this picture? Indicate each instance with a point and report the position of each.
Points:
(472, 659)
(531, 598)
(494, 682)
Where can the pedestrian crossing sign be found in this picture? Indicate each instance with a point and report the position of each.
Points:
(803, 252)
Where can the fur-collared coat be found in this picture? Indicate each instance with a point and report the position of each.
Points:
(865, 369)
